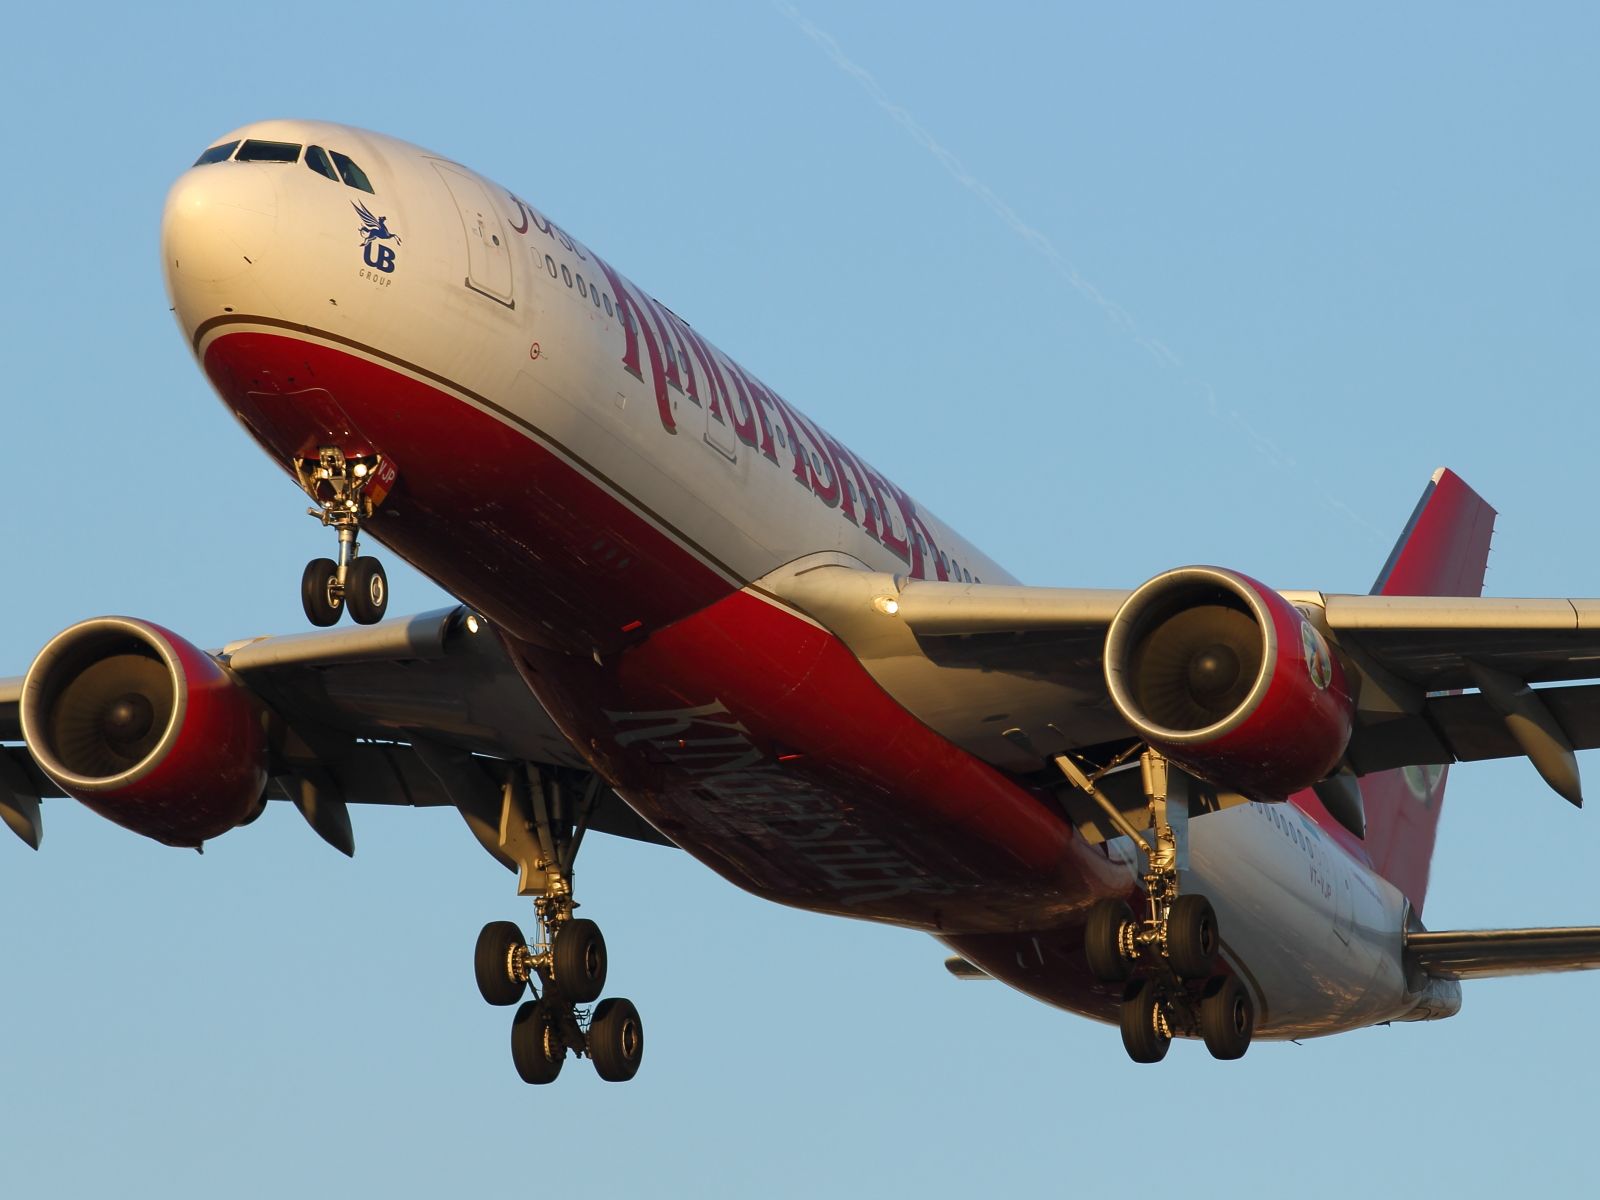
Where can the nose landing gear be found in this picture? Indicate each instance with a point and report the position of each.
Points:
(346, 490)
(1173, 948)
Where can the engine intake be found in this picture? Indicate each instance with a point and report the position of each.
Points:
(1229, 680)
(145, 729)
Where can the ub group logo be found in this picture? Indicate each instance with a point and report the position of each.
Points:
(375, 232)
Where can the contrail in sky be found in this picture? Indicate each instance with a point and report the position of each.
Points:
(1059, 263)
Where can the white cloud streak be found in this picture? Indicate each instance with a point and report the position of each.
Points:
(1045, 247)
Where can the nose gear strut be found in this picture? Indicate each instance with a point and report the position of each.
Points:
(1172, 947)
(346, 491)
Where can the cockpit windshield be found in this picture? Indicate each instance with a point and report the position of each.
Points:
(330, 164)
(350, 173)
(256, 150)
(317, 160)
(217, 154)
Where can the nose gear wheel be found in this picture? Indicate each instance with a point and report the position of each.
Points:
(346, 491)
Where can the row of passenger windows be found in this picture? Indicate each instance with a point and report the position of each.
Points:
(340, 168)
(589, 292)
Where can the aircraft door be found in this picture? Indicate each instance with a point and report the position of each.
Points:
(719, 429)
(488, 249)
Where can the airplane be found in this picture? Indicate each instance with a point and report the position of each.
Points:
(1200, 808)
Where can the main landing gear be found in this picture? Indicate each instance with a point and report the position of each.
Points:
(1166, 957)
(346, 491)
(565, 966)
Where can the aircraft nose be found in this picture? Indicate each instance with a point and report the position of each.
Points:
(218, 223)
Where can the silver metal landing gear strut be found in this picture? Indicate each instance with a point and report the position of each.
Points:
(346, 491)
(542, 822)
(1167, 958)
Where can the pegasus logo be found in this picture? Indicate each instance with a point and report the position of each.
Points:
(375, 230)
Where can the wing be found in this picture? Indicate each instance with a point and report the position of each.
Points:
(1017, 675)
(424, 710)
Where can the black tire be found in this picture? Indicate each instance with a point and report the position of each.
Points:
(491, 963)
(1102, 940)
(1144, 1034)
(1227, 1017)
(616, 1040)
(366, 591)
(319, 594)
(580, 961)
(1192, 937)
(536, 1047)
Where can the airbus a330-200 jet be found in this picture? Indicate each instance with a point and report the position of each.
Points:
(1201, 807)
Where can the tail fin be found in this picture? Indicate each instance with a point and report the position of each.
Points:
(1443, 551)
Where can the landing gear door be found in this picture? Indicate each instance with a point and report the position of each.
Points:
(488, 254)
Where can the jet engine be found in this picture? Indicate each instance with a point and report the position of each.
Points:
(145, 730)
(1230, 681)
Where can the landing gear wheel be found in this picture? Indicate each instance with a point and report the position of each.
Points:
(579, 955)
(1192, 937)
(616, 1040)
(319, 592)
(536, 1047)
(366, 591)
(1145, 1035)
(1227, 1018)
(492, 963)
(1102, 940)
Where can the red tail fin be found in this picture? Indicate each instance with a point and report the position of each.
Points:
(1443, 551)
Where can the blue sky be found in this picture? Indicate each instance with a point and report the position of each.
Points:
(1111, 289)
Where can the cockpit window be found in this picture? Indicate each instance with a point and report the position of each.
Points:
(216, 154)
(256, 150)
(317, 160)
(350, 173)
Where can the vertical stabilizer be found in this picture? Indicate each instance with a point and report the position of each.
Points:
(1443, 551)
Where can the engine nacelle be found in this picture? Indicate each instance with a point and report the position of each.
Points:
(1230, 681)
(146, 730)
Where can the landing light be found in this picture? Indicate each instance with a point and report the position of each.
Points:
(360, 470)
(887, 605)
(472, 623)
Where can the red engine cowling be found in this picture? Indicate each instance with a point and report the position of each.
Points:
(146, 730)
(1230, 681)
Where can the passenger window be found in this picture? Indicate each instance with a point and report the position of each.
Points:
(256, 150)
(216, 154)
(350, 173)
(608, 306)
(317, 160)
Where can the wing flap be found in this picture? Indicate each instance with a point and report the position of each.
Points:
(1491, 953)
(1467, 728)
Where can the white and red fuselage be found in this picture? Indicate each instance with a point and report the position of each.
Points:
(583, 468)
